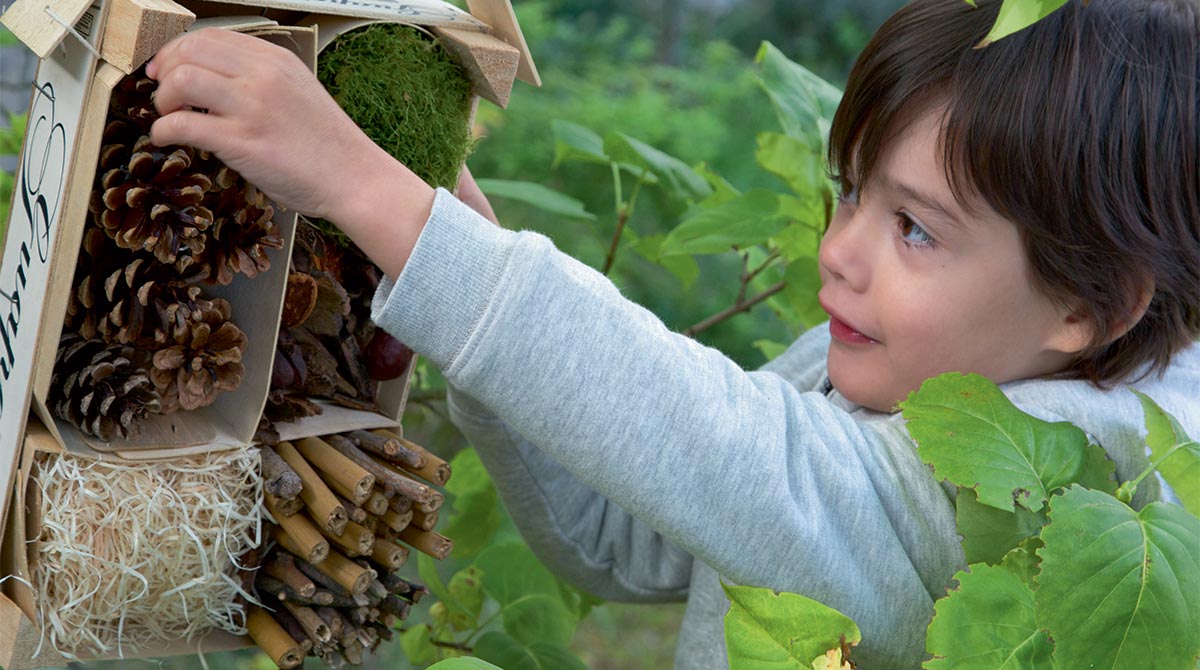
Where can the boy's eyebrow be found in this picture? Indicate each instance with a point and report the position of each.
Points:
(925, 200)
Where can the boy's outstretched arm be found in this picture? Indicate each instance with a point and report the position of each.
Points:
(266, 115)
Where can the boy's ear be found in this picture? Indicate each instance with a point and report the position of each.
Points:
(1077, 331)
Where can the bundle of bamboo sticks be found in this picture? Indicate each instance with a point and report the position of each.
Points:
(347, 509)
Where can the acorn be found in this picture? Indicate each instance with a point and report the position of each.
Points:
(387, 357)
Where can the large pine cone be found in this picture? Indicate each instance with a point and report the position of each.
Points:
(151, 198)
(87, 307)
(241, 233)
(205, 359)
(100, 388)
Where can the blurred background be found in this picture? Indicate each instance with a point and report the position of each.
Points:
(675, 74)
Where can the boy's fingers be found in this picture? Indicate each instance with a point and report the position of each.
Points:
(222, 51)
(193, 86)
(191, 128)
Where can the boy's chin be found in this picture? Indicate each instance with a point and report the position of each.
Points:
(868, 391)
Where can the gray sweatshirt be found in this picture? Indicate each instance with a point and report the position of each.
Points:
(642, 466)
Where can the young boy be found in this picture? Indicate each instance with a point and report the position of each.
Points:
(1028, 211)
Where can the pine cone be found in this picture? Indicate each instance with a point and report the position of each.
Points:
(99, 258)
(241, 233)
(100, 388)
(133, 99)
(153, 200)
(205, 359)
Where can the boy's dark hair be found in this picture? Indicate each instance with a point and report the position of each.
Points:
(1083, 129)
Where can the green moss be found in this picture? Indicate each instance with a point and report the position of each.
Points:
(407, 94)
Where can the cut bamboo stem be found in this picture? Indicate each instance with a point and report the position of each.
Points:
(435, 470)
(387, 477)
(273, 639)
(323, 505)
(313, 625)
(298, 535)
(346, 573)
(355, 540)
(397, 522)
(390, 555)
(378, 502)
(424, 520)
(428, 542)
(337, 465)
(432, 505)
(353, 512)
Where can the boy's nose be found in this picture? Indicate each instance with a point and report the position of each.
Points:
(844, 252)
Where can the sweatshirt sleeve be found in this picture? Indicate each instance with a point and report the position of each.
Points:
(579, 534)
(768, 485)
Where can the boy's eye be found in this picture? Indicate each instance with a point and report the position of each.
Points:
(911, 232)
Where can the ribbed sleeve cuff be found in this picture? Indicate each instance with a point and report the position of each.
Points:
(443, 291)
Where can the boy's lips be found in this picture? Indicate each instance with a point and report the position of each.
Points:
(844, 332)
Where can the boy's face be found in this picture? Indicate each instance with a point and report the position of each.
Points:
(916, 287)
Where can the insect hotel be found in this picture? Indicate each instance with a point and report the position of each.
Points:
(200, 436)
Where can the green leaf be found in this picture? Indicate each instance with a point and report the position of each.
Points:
(987, 622)
(511, 654)
(466, 588)
(1099, 473)
(1118, 587)
(575, 142)
(976, 438)
(511, 572)
(417, 646)
(542, 197)
(475, 503)
(770, 350)
(1182, 469)
(794, 160)
(722, 190)
(677, 177)
(538, 617)
(799, 295)
(685, 268)
(804, 103)
(766, 630)
(1016, 15)
(796, 240)
(466, 663)
(1023, 561)
(749, 219)
(427, 569)
(989, 533)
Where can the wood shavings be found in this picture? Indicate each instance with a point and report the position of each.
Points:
(129, 554)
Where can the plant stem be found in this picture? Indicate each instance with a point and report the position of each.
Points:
(623, 213)
(736, 308)
(1132, 485)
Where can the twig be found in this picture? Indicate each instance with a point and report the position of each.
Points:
(737, 308)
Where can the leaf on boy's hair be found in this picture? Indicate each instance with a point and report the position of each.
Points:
(768, 629)
(988, 534)
(1182, 468)
(987, 622)
(976, 438)
(1017, 15)
(1118, 587)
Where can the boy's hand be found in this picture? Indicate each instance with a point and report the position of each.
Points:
(267, 117)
